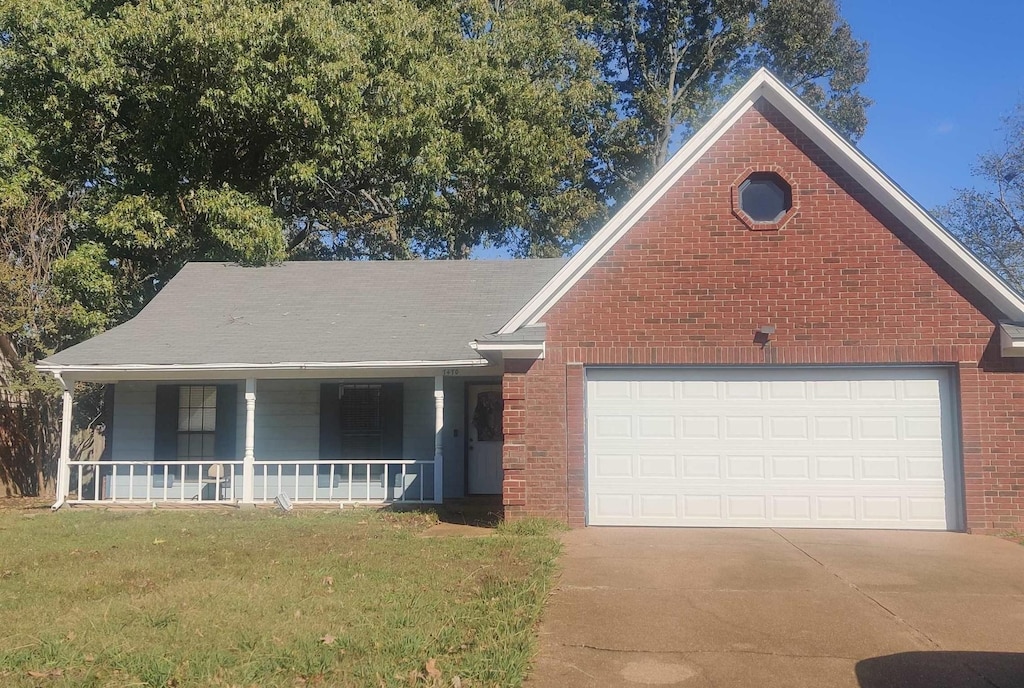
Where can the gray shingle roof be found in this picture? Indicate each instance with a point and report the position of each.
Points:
(323, 312)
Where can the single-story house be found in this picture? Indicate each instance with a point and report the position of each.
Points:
(770, 333)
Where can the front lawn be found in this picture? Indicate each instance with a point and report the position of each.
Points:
(177, 598)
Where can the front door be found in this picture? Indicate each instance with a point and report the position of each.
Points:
(485, 407)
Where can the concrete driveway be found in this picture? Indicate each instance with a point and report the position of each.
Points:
(686, 607)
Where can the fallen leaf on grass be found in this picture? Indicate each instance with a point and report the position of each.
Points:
(328, 581)
(158, 541)
(52, 673)
(327, 639)
(432, 670)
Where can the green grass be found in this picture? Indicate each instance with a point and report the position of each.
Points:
(1015, 536)
(173, 598)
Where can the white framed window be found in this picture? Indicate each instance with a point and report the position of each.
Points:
(197, 422)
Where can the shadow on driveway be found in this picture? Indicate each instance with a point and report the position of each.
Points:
(942, 669)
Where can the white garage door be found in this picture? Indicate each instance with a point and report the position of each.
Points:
(788, 447)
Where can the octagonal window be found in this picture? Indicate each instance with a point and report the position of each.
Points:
(765, 197)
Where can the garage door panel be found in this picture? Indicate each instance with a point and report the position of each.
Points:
(788, 450)
(699, 427)
(790, 390)
(790, 468)
(658, 506)
(655, 427)
(788, 427)
(655, 390)
(657, 466)
(612, 427)
(696, 466)
(740, 509)
(660, 462)
(744, 468)
(612, 466)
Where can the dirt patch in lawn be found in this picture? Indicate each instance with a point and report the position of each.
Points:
(25, 504)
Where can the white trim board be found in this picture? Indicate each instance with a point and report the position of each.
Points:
(211, 371)
(765, 85)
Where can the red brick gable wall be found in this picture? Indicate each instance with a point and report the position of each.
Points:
(842, 281)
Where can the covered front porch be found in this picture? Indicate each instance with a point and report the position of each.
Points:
(369, 435)
(326, 382)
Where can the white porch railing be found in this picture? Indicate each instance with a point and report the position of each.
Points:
(154, 481)
(356, 480)
(370, 481)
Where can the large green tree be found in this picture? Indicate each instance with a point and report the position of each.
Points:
(989, 218)
(672, 62)
(135, 136)
(259, 130)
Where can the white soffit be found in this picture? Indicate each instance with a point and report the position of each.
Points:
(765, 85)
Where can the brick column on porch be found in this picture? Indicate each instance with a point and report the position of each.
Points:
(513, 456)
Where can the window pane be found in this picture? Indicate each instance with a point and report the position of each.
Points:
(183, 396)
(182, 446)
(765, 197)
(183, 419)
(195, 419)
(210, 397)
(207, 444)
(360, 409)
(195, 397)
(209, 420)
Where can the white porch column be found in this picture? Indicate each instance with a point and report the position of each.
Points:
(438, 439)
(249, 460)
(63, 469)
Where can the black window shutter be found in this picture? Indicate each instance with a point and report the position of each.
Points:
(224, 440)
(166, 436)
(330, 432)
(392, 427)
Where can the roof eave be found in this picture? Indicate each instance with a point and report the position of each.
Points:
(240, 370)
(496, 352)
(1011, 340)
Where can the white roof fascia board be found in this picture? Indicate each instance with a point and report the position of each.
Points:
(766, 85)
(517, 350)
(498, 346)
(236, 370)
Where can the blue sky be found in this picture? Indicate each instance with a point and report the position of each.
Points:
(942, 74)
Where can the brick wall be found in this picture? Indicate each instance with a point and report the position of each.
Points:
(841, 279)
